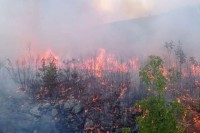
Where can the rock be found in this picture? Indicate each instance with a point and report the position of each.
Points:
(118, 130)
(106, 107)
(29, 117)
(35, 111)
(70, 104)
(77, 109)
(57, 106)
(54, 112)
(70, 116)
(89, 124)
(46, 105)
(61, 102)
(136, 129)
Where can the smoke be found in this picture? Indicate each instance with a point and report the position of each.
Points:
(114, 10)
(75, 27)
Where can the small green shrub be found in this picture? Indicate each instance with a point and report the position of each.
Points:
(49, 77)
(126, 130)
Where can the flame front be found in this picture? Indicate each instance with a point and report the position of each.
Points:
(108, 62)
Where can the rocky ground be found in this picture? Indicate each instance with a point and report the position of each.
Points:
(18, 114)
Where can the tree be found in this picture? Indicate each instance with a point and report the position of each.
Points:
(152, 74)
(24, 73)
(159, 115)
(1, 65)
(181, 57)
(169, 46)
(49, 76)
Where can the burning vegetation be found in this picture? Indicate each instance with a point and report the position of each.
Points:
(101, 93)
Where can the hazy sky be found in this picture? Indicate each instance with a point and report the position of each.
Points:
(58, 24)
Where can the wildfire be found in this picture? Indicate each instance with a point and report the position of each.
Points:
(50, 54)
(95, 99)
(123, 92)
(108, 62)
(178, 100)
(195, 70)
(99, 64)
(165, 72)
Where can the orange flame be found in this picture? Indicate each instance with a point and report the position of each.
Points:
(49, 54)
(103, 62)
(108, 62)
(95, 99)
(195, 70)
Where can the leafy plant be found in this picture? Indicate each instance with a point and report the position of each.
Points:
(49, 73)
(152, 74)
(159, 115)
(126, 130)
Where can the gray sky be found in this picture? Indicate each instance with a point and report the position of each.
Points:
(62, 25)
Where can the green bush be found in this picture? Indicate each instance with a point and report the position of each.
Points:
(126, 130)
(49, 77)
(159, 115)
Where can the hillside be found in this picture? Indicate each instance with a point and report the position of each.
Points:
(150, 33)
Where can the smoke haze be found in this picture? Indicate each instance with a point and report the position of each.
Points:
(76, 27)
